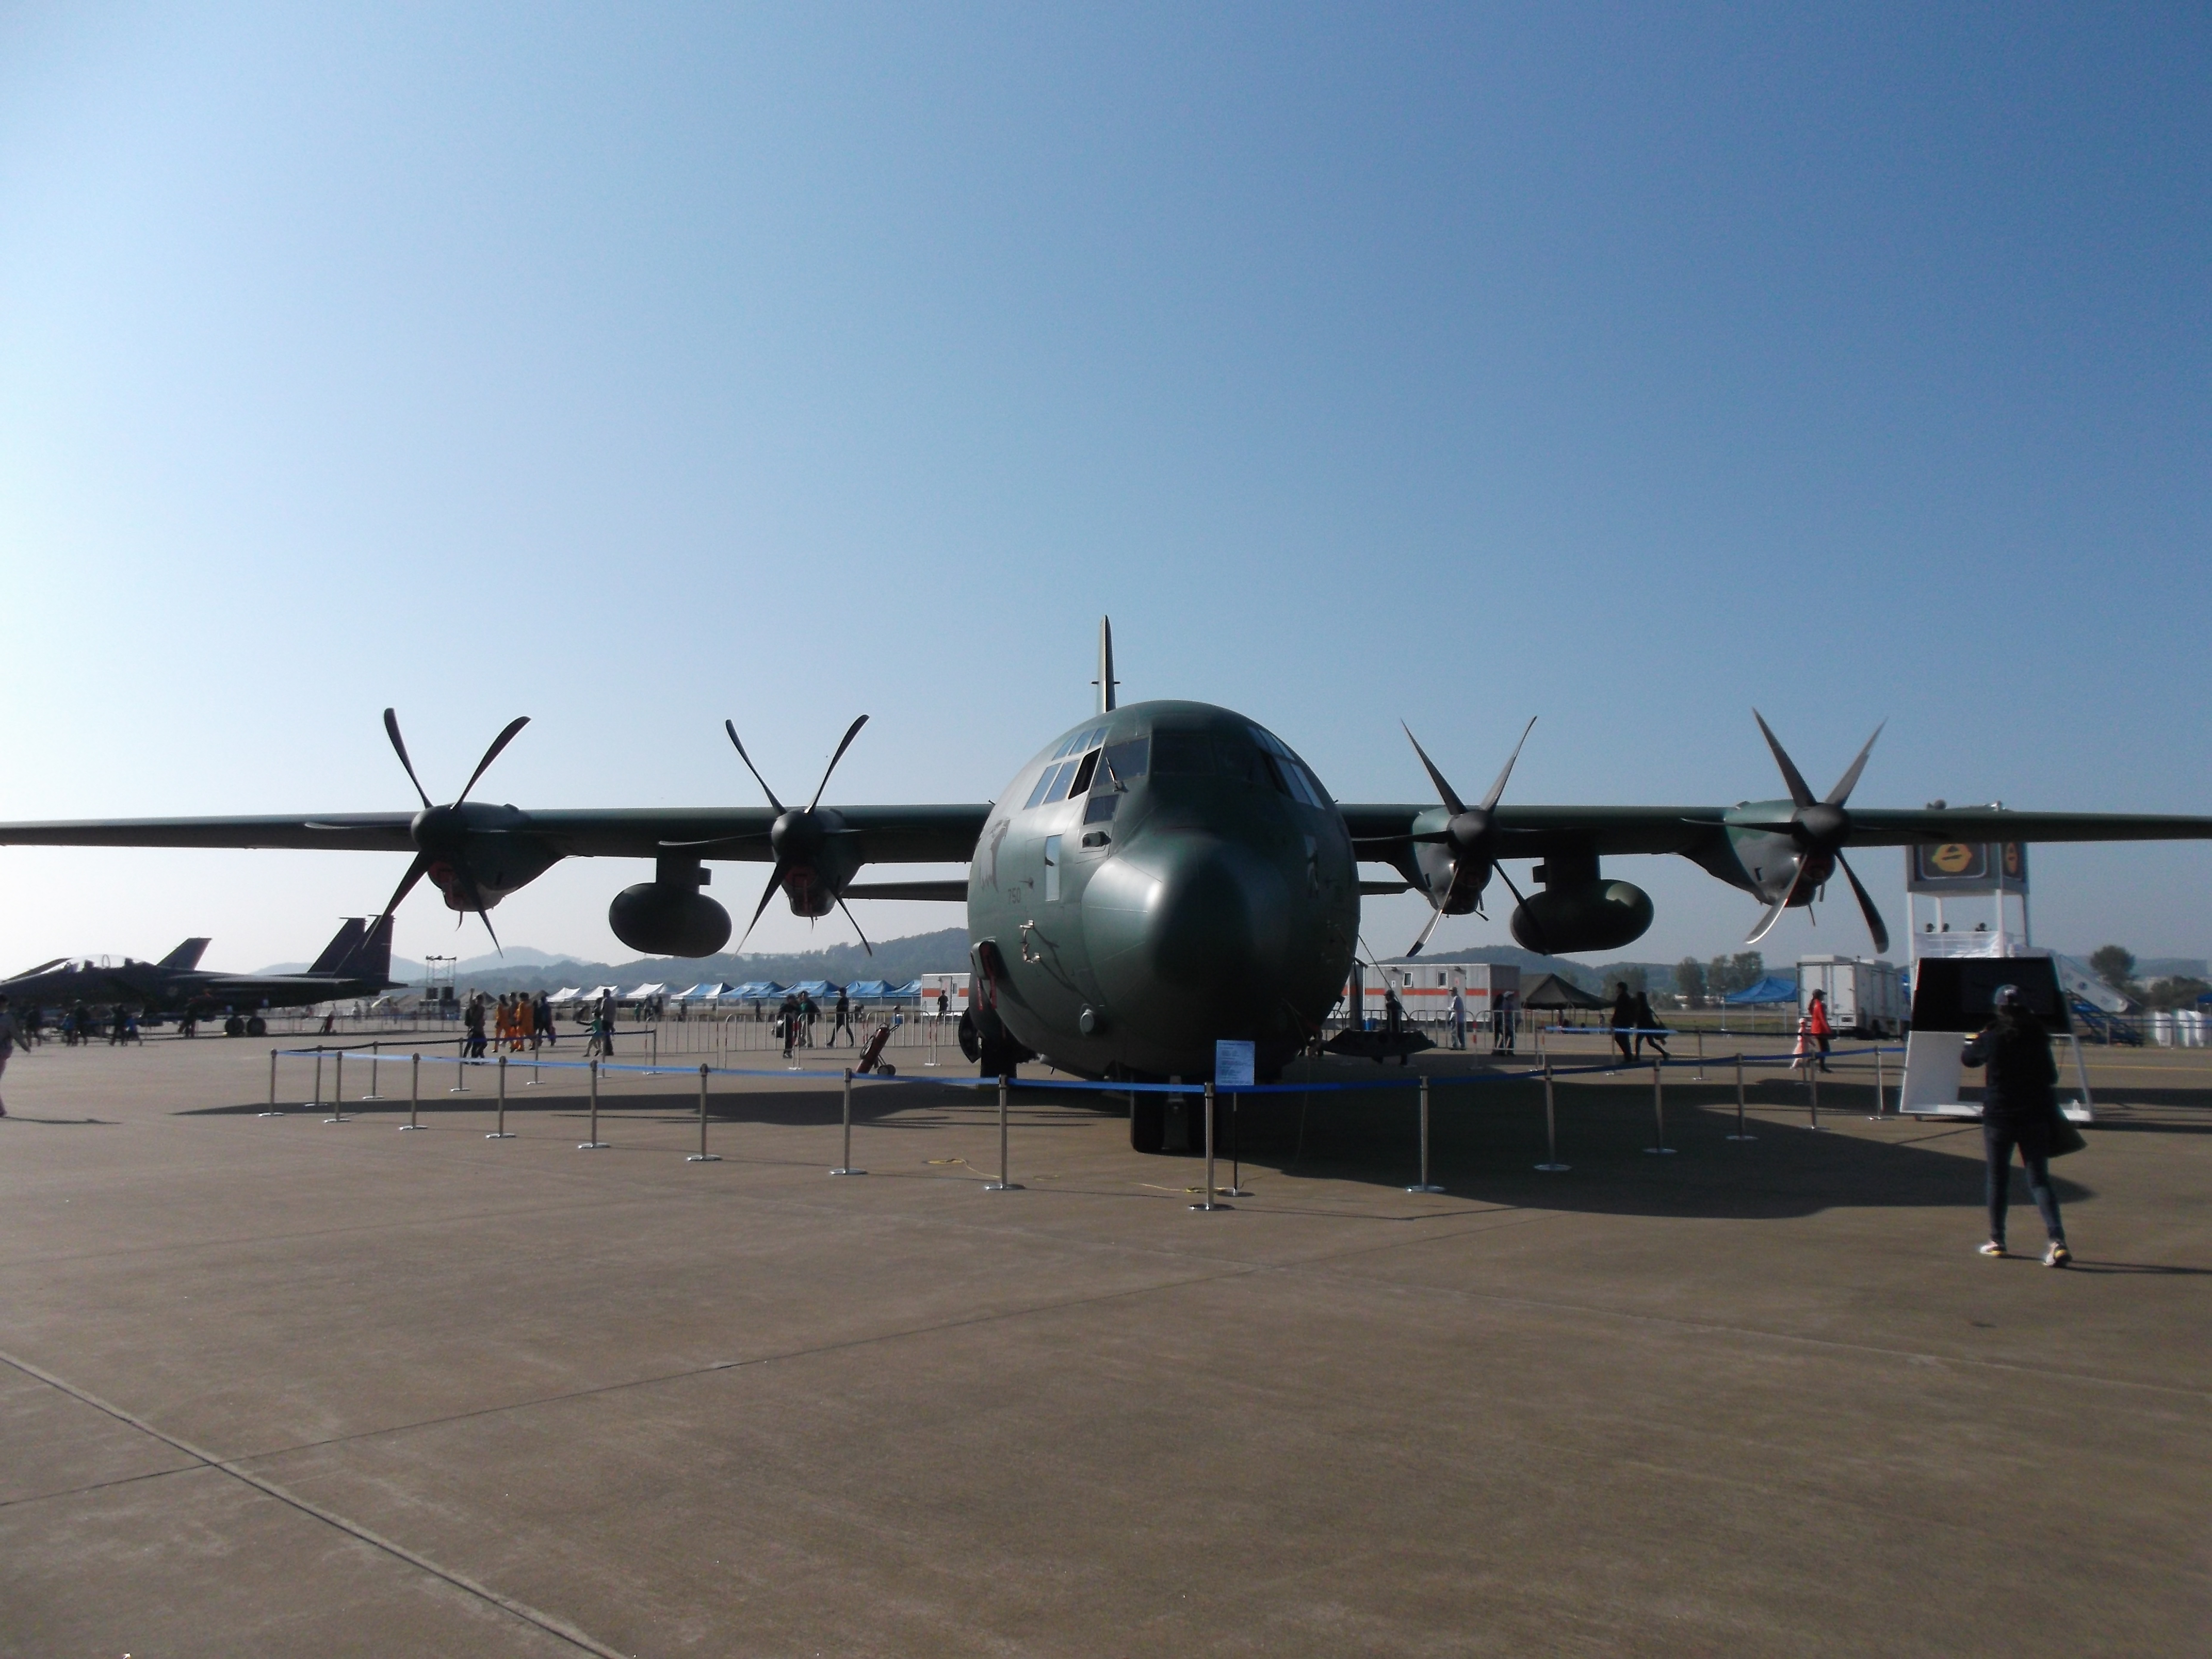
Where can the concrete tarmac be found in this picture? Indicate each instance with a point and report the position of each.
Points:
(276, 1386)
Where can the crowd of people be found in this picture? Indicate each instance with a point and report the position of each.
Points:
(519, 1023)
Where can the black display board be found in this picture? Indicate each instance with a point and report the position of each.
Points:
(1957, 993)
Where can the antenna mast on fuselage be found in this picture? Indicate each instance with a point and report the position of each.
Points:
(1105, 682)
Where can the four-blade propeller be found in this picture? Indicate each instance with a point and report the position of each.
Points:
(1820, 829)
(441, 834)
(799, 837)
(1470, 833)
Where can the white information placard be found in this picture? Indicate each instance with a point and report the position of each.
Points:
(1232, 1066)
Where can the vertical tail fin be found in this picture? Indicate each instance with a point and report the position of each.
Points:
(343, 943)
(372, 960)
(185, 956)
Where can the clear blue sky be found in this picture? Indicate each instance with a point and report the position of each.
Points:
(634, 366)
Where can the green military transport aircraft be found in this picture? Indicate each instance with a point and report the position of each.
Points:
(1159, 876)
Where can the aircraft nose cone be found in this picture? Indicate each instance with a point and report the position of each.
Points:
(1189, 933)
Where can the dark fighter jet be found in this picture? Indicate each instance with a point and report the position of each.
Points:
(356, 962)
(1157, 877)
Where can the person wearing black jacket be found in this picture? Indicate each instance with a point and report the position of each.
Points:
(2018, 1109)
(1623, 1019)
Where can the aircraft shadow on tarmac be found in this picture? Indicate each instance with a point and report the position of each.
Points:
(1485, 1141)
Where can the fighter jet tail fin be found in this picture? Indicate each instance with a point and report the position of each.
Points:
(185, 956)
(374, 960)
(344, 943)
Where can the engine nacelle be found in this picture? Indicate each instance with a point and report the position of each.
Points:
(667, 918)
(1592, 915)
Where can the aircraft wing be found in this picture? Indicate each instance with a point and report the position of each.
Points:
(1528, 832)
(891, 834)
(1535, 831)
(374, 832)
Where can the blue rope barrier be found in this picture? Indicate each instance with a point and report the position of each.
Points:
(1101, 1087)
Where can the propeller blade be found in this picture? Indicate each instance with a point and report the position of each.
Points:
(1449, 795)
(484, 916)
(774, 881)
(1506, 876)
(400, 747)
(730, 727)
(1497, 788)
(1774, 910)
(1866, 907)
(1435, 916)
(491, 755)
(414, 873)
(851, 732)
(1801, 793)
(855, 921)
(1842, 792)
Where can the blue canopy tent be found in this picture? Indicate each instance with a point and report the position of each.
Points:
(867, 990)
(1772, 988)
(909, 992)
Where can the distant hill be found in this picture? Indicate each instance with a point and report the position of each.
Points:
(895, 959)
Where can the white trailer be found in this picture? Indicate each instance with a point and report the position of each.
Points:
(1424, 989)
(1865, 997)
(953, 987)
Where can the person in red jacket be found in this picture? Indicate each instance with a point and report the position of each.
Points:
(1817, 1019)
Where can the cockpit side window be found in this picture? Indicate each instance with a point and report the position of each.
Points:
(1082, 774)
(1296, 780)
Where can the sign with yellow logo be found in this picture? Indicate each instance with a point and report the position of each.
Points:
(1966, 867)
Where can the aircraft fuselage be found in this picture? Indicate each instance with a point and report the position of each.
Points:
(1156, 879)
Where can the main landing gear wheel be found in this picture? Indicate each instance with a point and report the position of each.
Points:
(257, 1026)
(233, 1026)
(1148, 1124)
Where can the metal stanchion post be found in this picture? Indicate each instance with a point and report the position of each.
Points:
(1701, 1055)
(594, 1144)
(1659, 1109)
(414, 1093)
(1813, 1084)
(272, 1111)
(845, 1167)
(337, 1088)
(460, 1069)
(501, 1133)
(702, 1156)
(1880, 1081)
(1551, 1124)
(316, 1104)
(1739, 1133)
(1206, 1202)
(374, 1057)
(1003, 1184)
(1424, 1186)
